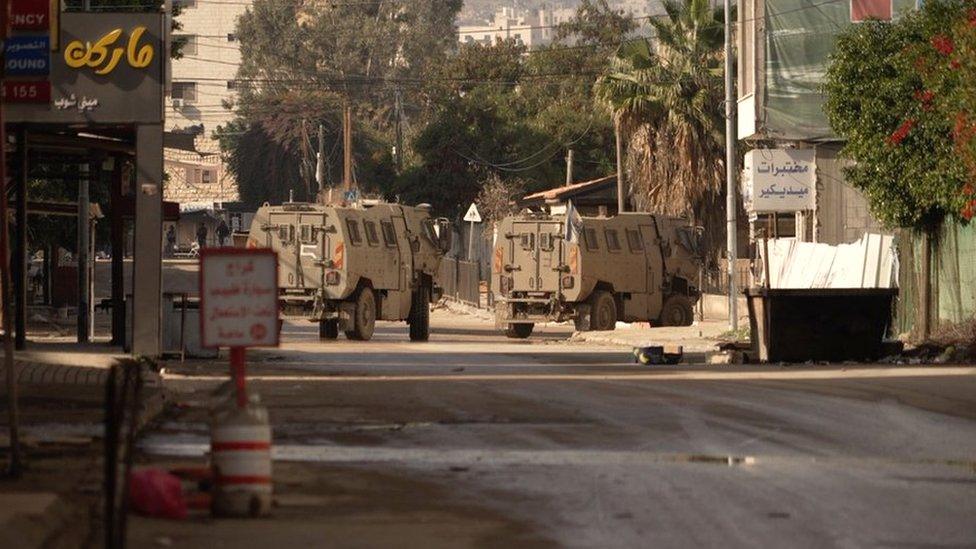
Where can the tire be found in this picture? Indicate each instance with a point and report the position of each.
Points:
(328, 329)
(677, 311)
(603, 316)
(519, 331)
(420, 314)
(364, 321)
(582, 321)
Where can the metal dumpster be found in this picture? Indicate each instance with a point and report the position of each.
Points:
(797, 325)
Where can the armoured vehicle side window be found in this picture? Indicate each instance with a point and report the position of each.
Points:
(545, 242)
(527, 240)
(353, 226)
(613, 241)
(589, 237)
(389, 234)
(371, 237)
(307, 234)
(634, 241)
(286, 233)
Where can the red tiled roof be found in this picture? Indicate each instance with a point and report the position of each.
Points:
(553, 194)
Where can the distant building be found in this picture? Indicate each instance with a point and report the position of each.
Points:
(533, 28)
(201, 88)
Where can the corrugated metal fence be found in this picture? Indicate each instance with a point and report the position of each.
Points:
(461, 281)
(952, 274)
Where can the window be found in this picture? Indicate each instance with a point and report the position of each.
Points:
(187, 43)
(186, 91)
(613, 241)
(589, 238)
(634, 241)
(353, 227)
(286, 233)
(185, 3)
(231, 37)
(371, 237)
(545, 242)
(389, 234)
(306, 233)
(231, 85)
(206, 176)
(528, 241)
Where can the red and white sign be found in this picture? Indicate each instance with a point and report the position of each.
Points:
(30, 14)
(26, 91)
(238, 297)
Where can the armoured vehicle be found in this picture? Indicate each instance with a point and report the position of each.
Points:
(595, 271)
(347, 266)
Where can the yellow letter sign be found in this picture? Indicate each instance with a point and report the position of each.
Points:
(99, 57)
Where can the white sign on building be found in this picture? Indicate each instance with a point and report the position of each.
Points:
(239, 297)
(779, 180)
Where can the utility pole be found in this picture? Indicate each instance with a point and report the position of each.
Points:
(320, 161)
(569, 167)
(398, 110)
(621, 185)
(83, 248)
(730, 190)
(14, 468)
(347, 148)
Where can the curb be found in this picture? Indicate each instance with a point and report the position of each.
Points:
(43, 516)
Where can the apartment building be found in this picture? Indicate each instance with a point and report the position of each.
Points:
(202, 82)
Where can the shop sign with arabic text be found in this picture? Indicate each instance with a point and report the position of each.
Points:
(109, 69)
(779, 180)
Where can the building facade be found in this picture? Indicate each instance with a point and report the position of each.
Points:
(784, 49)
(201, 92)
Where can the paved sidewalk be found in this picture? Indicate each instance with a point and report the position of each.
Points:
(62, 392)
(702, 337)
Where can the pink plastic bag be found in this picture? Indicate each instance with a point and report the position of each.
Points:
(156, 493)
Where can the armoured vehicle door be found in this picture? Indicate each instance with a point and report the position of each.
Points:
(549, 256)
(522, 243)
(651, 237)
(535, 250)
(282, 230)
(396, 236)
(312, 249)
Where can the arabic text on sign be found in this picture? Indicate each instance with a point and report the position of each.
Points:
(104, 60)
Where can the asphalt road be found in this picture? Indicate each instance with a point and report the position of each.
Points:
(475, 440)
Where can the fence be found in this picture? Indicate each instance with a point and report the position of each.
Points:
(952, 275)
(461, 281)
(716, 281)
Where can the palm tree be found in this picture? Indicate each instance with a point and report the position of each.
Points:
(667, 94)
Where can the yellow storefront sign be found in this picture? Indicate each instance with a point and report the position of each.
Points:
(104, 55)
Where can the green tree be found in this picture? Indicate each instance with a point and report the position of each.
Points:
(888, 95)
(668, 96)
(301, 64)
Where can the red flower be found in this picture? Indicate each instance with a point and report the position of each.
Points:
(968, 210)
(925, 97)
(955, 64)
(943, 44)
(967, 189)
(901, 133)
(972, 17)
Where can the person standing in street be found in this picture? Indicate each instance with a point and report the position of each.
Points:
(202, 235)
(222, 232)
(171, 241)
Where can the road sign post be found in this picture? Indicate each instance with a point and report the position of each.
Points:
(239, 304)
(473, 216)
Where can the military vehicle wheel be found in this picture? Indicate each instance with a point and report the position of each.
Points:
(677, 311)
(420, 315)
(519, 331)
(328, 329)
(604, 314)
(364, 321)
